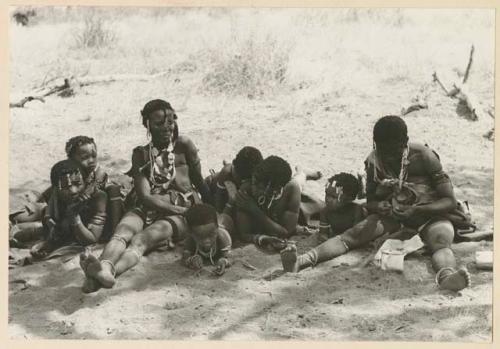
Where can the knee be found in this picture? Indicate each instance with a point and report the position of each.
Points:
(440, 235)
(139, 243)
(124, 231)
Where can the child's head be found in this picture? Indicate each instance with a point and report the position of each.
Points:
(245, 162)
(203, 225)
(341, 189)
(83, 150)
(67, 179)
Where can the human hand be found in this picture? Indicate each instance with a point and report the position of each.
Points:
(270, 241)
(245, 202)
(220, 267)
(405, 213)
(195, 262)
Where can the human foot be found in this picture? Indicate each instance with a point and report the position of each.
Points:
(42, 249)
(101, 271)
(310, 174)
(89, 285)
(453, 280)
(289, 258)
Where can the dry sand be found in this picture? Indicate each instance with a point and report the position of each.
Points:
(341, 76)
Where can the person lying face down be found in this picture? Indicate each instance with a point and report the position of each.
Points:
(267, 209)
(236, 173)
(167, 181)
(71, 214)
(208, 240)
(340, 212)
(406, 188)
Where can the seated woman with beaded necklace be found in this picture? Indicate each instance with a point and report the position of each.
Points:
(167, 181)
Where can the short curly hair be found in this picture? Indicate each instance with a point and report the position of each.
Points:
(73, 143)
(390, 129)
(274, 171)
(349, 183)
(201, 214)
(246, 160)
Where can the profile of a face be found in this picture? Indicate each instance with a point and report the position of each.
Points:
(161, 126)
(205, 236)
(71, 185)
(86, 156)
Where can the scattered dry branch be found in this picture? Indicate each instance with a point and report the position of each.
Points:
(25, 100)
(65, 87)
(467, 70)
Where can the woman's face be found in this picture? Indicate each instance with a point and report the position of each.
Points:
(162, 126)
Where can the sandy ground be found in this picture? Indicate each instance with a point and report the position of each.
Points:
(341, 76)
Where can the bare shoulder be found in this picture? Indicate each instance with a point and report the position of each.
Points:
(424, 152)
(184, 140)
(184, 144)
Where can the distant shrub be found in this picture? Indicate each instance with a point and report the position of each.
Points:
(22, 16)
(94, 34)
(249, 67)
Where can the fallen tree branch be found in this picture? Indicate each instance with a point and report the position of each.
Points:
(65, 87)
(469, 64)
(436, 79)
(414, 107)
(89, 80)
(470, 99)
(25, 100)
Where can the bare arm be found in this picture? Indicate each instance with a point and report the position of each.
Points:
(288, 221)
(442, 185)
(92, 233)
(195, 176)
(154, 201)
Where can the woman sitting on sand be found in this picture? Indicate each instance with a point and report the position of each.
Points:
(167, 181)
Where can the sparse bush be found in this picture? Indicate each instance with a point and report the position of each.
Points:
(249, 67)
(94, 34)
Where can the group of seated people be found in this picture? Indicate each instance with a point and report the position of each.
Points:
(252, 199)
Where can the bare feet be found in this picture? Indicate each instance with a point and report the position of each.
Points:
(89, 285)
(101, 272)
(42, 249)
(289, 259)
(310, 174)
(454, 280)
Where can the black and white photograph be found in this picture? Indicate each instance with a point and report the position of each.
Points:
(251, 173)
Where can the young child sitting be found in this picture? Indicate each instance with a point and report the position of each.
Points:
(83, 150)
(340, 212)
(208, 240)
(73, 214)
